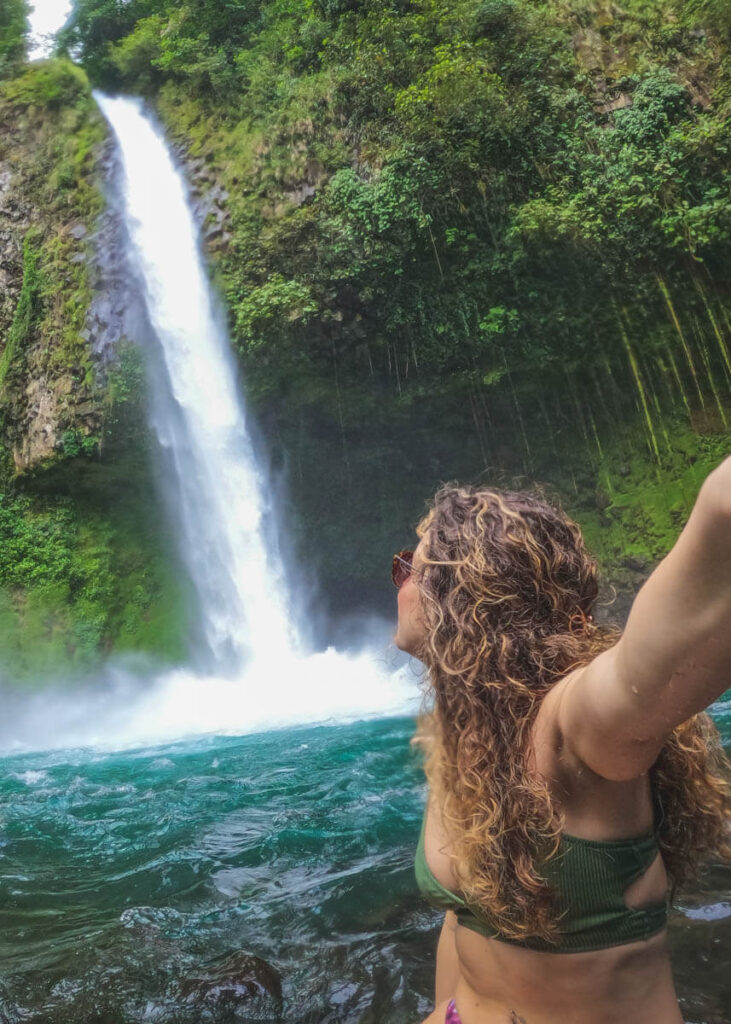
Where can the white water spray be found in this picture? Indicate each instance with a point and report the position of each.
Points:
(221, 495)
(258, 677)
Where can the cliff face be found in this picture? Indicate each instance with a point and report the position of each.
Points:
(51, 136)
(86, 565)
(477, 241)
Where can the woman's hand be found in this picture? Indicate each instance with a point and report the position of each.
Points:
(674, 658)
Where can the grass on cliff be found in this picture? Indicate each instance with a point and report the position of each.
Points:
(86, 565)
(86, 568)
(52, 132)
(28, 307)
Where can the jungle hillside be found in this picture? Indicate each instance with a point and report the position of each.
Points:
(483, 240)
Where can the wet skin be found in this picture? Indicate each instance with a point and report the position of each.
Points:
(497, 983)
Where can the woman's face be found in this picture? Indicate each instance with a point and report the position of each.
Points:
(411, 629)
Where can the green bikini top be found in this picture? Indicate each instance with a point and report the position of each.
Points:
(589, 877)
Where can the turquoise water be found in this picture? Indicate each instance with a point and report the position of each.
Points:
(264, 878)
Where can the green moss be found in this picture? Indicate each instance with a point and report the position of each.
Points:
(51, 133)
(13, 30)
(646, 511)
(48, 84)
(27, 310)
(86, 567)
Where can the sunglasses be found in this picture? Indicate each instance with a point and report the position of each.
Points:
(401, 567)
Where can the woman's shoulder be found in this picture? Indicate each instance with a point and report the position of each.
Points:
(589, 804)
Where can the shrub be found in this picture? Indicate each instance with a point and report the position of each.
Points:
(49, 84)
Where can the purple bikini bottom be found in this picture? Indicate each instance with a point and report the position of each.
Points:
(452, 1016)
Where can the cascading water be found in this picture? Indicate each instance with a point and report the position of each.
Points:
(198, 415)
(252, 673)
(169, 882)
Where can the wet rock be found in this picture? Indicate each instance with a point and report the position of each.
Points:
(602, 499)
(635, 563)
(221, 242)
(213, 232)
(78, 231)
(41, 435)
(240, 977)
(298, 195)
(217, 194)
(64, 386)
(88, 409)
(620, 102)
(117, 310)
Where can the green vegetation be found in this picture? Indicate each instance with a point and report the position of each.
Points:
(475, 239)
(86, 562)
(86, 565)
(13, 29)
(51, 133)
(55, 129)
(83, 573)
(49, 84)
(26, 312)
(714, 13)
(482, 237)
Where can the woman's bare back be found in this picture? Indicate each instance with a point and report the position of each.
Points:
(596, 738)
(498, 983)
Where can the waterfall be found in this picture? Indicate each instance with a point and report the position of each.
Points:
(250, 672)
(221, 495)
(253, 674)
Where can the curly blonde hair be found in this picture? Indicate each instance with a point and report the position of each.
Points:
(507, 588)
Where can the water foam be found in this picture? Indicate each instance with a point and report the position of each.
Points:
(127, 710)
(257, 674)
(221, 496)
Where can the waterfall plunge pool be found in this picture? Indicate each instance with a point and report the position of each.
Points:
(233, 879)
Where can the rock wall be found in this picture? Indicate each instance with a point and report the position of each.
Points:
(87, 563)
(15, 219)
(51, 397)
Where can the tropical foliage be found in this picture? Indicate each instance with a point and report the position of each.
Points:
(506, 217)
(13, 29)
(85, 563)
(455, 237)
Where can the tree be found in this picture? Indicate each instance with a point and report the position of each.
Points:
(13, 35)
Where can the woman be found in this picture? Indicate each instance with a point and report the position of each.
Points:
(574, 780)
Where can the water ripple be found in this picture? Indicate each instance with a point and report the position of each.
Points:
(131, 883)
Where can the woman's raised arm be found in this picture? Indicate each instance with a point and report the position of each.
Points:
(674, 658)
